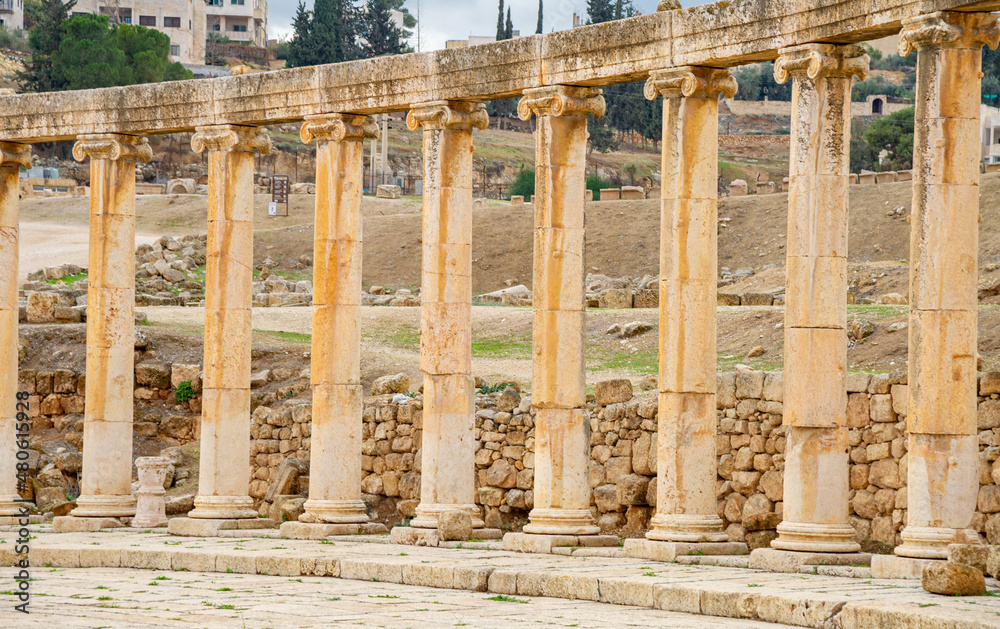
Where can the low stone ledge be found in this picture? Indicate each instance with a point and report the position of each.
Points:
(209, 527)
(775, 560)
(73, 524)
(669, 551)
(895, 567)
(544, 544)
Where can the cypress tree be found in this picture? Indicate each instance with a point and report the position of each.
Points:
(618, 10)
(599, 11)
(378, 32)
(44, 39)
(501, 32)
(538, 28)
(509, 29)
(301, 50)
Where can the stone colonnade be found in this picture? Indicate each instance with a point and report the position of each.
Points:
(942, 455)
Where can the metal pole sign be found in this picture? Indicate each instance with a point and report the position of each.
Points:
(280, 187)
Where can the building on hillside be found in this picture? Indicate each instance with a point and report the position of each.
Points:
(239, 20)
(182, 20)
(989, 124)
(12, 14)
(474, 40)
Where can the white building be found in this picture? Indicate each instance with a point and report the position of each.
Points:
(12, 14)
(989, 124)
(239, 20)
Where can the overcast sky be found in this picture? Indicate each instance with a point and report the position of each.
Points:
(458, 19)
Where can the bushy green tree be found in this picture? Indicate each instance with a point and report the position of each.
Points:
(92, 53)
(48, 17)
(894, 135)
(524, 183)
(379, 34)
(301, 51)
(757, 82)
(599, 11)
(602, 137)
(863, 157)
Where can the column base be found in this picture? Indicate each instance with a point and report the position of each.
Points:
(223, 508)
(774, 560)
(808, 537)
(409, 536)
(73, 524)
(670, 550)
(687, 528)
(561, 522)
(334, 512)
(104, 506)
(893, 567)
(322, 530)
(206, 527)
(427, 515)
(927, 542)
(15, 520)
(543, 544)
(10, 506)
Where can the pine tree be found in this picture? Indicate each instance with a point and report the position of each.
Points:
(379, 34)
(618, 10)
(509, 29)
(334, 31)
(301, 51)
(39, 74)
(501, 32)
(538, 28)
(599, 11)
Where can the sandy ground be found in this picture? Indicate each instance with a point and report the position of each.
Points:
(50, 244)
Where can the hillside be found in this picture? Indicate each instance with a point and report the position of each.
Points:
(622, 236)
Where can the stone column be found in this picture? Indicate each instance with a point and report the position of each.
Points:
(12, 158)
(686, 458)
(816, 479)
(448, 442)
(106, 485)
(943, 449)
(562, 429)
(335, 462)
(224, 478)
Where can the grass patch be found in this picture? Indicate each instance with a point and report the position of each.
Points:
(500, 348)
(69, 279)
(506, 599)
(293, 337)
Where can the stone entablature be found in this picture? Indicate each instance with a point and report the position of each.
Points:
(739, 32)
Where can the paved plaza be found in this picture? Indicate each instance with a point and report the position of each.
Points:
(275, 582)
(112, 597)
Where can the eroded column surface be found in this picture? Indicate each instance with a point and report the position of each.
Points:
(335, 463)
(942, 456)
(12, 158)
(448, 442)
(816, 479)
(224, 477)
(686, 457)
(562, 430)
(106, 484)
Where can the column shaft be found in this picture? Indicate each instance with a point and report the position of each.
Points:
(562, 428)
(448, 443)
(943, 464)
(106, 485)
(686, 457)
(12, 158)
(817, 487)
(335, 462)
(224, 477)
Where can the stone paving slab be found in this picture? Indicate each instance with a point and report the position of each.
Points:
(805, 600)
(117, 598)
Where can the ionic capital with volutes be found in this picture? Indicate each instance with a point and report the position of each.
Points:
(231, 138)
(112, 146)
(813, 61)
(691, 82)
(13, 154)
(447, 113)
(947, 29)
(561, 100)
(338, 128)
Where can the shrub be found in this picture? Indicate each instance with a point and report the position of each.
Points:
(595, 183)
(524, 183)
(184, 392)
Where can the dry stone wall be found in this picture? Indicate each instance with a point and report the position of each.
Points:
(750, 445)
